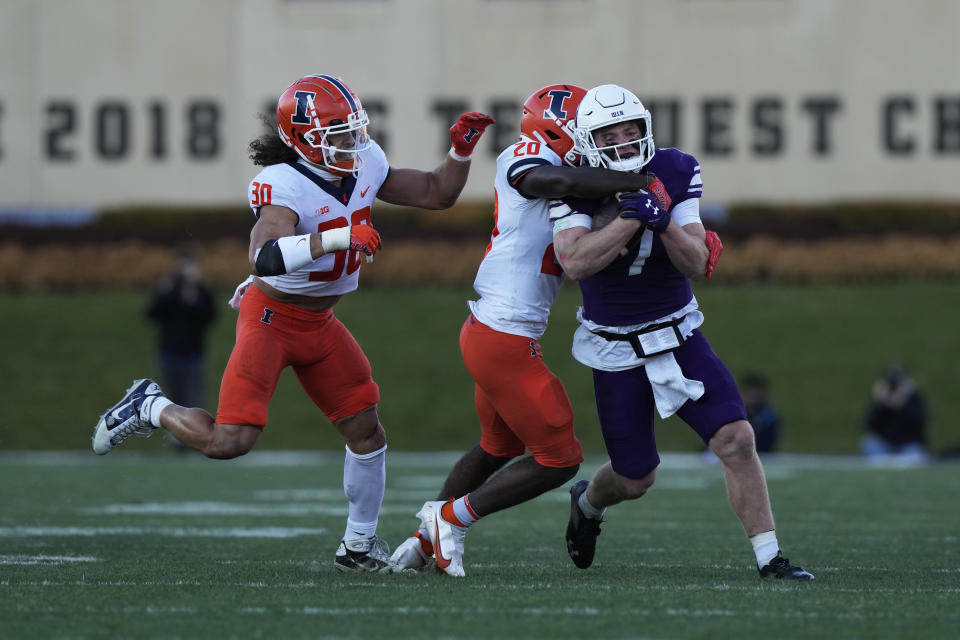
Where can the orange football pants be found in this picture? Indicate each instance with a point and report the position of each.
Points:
(325, 357)
(521, 404)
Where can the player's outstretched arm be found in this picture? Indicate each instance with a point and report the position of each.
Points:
(440, 188)
(549, 181)
(275, 249)
(437, 189)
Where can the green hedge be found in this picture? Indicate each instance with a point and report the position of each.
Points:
(474, 218)
(882, 216)
(68, 357)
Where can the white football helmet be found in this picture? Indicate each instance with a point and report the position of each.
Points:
(607, 105)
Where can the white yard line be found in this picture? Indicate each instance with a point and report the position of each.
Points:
(238, 509)
(24, 560)
(175, 532)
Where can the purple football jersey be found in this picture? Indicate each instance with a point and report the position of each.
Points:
(642, 284)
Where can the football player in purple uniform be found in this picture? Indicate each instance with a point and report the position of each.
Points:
(639, 331)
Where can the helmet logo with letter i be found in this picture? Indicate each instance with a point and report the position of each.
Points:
(300, 115)
(556, 110)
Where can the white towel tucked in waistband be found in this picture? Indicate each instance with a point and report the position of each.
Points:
(670, 387)
(234, 300)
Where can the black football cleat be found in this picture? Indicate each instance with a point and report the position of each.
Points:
(130, 416)
(582, 531)
(781, 568)
(365, 555)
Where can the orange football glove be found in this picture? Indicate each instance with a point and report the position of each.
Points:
(716, 248)
(466, 132)
(659, 191)
(365, 239)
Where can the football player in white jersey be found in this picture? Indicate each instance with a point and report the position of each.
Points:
(312, 203)
(521, 404)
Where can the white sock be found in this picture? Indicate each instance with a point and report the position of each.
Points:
(588, 509)
(364, 478)
(158, 404)
(765, 547)
(359, 530)
(464, 512)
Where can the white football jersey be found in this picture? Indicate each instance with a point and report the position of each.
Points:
(519, 277)
(321, 205)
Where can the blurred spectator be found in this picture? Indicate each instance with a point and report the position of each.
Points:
(896, 419)
(762, 415)
(183, 309)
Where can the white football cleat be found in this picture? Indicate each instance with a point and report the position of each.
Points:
(446, 538)
(413, 554)
(130, 416)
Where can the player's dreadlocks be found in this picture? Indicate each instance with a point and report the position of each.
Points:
(269, 149)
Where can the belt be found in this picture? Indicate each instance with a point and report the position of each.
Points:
(651, 340)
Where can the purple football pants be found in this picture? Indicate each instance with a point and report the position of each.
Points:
(625, 406)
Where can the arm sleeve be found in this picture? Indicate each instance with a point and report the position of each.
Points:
(687, 212)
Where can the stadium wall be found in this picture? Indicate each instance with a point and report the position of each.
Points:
(118, 102)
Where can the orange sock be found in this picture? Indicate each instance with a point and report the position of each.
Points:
(447, 513)
(459, 512)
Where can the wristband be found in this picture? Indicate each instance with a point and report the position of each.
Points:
(295, 251)
(459, 158)
(335, 239)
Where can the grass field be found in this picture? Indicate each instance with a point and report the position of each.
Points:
(165, 546)
(69, 356)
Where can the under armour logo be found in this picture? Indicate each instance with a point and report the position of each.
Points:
(655, 208)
